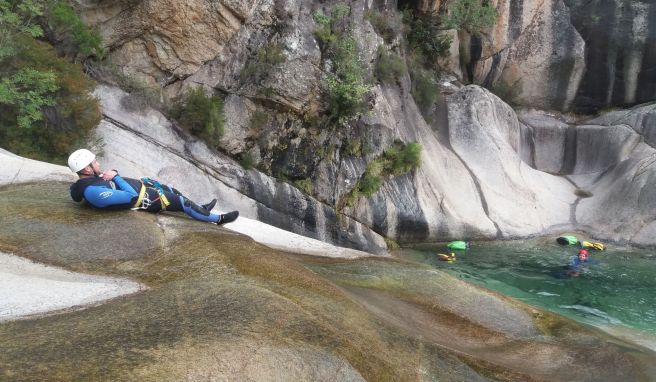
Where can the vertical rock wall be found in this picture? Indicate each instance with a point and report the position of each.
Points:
(534, 49)
(620, 38)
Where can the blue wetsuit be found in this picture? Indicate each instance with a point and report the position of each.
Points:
(123, 193)
(575, 263)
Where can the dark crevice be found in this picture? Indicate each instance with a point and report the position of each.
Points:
(572, 212)
(572, 207)
(607, 27)
(475, 49)
(440, 124)
(499, 234)
(569, 160)
(560, 72)
(492, 73)
(516, 15)
(402, 5)
(647, 78)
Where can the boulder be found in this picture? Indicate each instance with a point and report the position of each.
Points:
(485, 134)
(545, 60)
(623, 206)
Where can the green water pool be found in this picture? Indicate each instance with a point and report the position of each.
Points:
(617, 291)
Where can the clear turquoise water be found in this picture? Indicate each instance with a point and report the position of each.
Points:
(618, 291)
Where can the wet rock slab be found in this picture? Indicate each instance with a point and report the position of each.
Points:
(28, 288)
(220, 306)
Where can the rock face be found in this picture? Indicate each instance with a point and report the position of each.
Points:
(553, 54)
(564, 54)
(158, 40)
(623, 207)
(533, 50)
(483, 161)
(485, 172)
(294, 83)
(462, 186)
(487, 136)
(620, 40)
(146, 144)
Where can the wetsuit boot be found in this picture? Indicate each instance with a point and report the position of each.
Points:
(199, 213)
(227, 218)
(209, 205)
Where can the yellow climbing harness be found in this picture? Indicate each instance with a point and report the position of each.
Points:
(143, 202)
(142, 193)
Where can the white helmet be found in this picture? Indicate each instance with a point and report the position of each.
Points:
(80, 159)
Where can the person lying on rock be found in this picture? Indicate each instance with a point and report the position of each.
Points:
(109, 190)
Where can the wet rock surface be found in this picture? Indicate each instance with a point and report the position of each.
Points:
(222, 306)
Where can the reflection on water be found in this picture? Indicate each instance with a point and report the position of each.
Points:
(617, 289)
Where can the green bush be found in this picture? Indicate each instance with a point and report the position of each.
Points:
(424, 90)
(305, 185)
(509, 93)
(375, 168)
(395, 161)
(267, 58)
(200, 114)
(473, 16)
(425, 36)
(345, 86)
(247, 160)
(389, 67)
(45, 106)
(387, 25)
(369, 184)
(323, 32)
(24, 90)
(354, 147)
(70, 33)
(402, 159)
